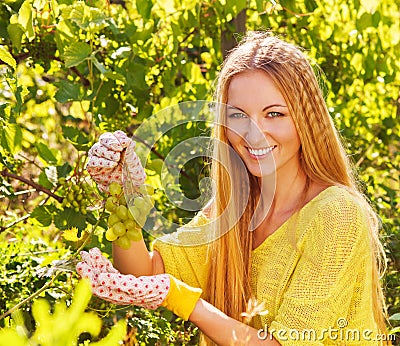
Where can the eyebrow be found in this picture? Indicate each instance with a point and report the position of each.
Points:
(264, 109)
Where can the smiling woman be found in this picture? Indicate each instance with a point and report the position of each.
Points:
(306, 247)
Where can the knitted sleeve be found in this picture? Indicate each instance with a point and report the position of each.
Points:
(187, 263)
(333, 271)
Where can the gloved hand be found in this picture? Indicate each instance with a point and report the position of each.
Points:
(146, 291)
(106, 159)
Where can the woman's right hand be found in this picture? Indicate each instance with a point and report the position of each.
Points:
(106, 159)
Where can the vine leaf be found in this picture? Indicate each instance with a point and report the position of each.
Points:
(76, 53)
(6, 57)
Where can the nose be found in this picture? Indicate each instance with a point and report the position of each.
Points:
(254, 134)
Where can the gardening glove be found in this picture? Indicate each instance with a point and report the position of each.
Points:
(146, 291)
(106, 159)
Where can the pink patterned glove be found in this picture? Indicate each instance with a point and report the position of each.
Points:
(146, 291)
(109, 284)
(106, 158)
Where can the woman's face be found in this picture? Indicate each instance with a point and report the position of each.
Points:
(260, 128)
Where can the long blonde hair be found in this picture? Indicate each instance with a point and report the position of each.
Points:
(230, 256)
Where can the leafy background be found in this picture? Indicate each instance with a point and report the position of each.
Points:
(71, 70)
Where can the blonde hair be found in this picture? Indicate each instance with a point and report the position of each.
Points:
(230, 256)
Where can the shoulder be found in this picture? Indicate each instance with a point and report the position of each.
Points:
(338, 213)
(339, 200)
(195, 233)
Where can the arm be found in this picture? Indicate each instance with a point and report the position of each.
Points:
(137, 260)
(224, 330)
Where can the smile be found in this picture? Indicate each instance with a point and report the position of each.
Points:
(261, 152)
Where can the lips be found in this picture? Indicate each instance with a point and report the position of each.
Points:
(260, 152)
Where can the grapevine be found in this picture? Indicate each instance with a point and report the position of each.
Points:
(125, 222)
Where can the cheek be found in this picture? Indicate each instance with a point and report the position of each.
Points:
(287, 134)
(233, 138)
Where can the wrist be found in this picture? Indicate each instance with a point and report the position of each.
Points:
(181, 298)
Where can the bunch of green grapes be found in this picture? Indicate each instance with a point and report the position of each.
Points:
(125, 222)
(76, 197)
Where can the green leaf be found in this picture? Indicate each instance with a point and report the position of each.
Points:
(394, 330)
(364, 21)
(99, 65)
(44, 181)
(395, 317)
(67, 92)
(64, 170)
(12, 337)
(25, 18)
(68, 218)
(115, 335)
(6, 57)
(15, 31)
(11, 138)
(77, 137)
(45, 153)
(311, 5)
(144, 8)
(289, 4)
(76, 53)
(42, 215)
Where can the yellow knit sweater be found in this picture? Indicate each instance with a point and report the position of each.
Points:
(313, 273)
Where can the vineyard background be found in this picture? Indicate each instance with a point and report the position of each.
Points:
(71, 70)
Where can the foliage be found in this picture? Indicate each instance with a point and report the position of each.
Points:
(64, 325)
(73, 69)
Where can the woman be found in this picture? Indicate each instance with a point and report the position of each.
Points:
(306, 245)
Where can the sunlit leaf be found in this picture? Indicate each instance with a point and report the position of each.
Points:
(144, 8)
(69, 218)
(72, 235)
(16, 31)
(11, 138)
(45, 153)
(67, 92)
(25, 18)
(76, 53)
(42, 215)
(6, 57)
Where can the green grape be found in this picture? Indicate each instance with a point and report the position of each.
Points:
(125, 223)
(130, 224)
(134, 234)
(123, 242)
(111, 204)
(142, 205)
(113, 219)
(139, 217)
(119, 229)
(115, 189)
(149, 200)
(110, 235)
(122, 212)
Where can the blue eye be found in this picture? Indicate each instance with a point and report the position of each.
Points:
(275, 114)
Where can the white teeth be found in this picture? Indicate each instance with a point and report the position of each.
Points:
(259, 152)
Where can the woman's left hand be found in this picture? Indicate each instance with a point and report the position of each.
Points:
(146, 291)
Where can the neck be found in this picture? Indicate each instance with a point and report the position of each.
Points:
(284, 192)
